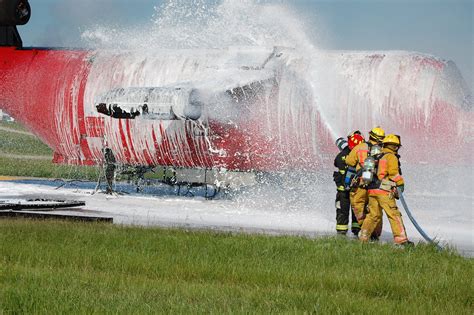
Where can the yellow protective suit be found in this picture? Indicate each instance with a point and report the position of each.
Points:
(359, 197)
(382, 197)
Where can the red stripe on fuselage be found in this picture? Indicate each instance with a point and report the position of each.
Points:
(130, 141)
(123, 138)
(80, 116)
(157, 148)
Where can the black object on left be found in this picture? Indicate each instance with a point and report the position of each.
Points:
(13, 13)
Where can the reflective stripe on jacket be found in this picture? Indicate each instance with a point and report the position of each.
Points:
(358, 155)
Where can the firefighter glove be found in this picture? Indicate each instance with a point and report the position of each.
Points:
(401, 187)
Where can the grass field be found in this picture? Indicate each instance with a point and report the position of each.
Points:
(60, 267)
(12, 125)
(16, 143)
(25, 155)
(44, 168)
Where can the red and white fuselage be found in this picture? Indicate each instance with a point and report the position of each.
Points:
(239, 108)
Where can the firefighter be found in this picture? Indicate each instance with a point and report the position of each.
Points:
(382, 193)
(110, 166)
(343, 205)
(358, 195)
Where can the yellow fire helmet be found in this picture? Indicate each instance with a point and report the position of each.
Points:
(377, 134)
(392, 139)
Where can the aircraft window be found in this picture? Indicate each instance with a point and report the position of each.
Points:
(115, 111)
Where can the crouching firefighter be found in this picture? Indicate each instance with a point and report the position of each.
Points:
(343, 177)
(358, 195)
(383, 173)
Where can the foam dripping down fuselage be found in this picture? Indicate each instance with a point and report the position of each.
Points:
(239, 108)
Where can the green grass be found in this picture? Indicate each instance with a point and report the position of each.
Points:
(13, 125)
(15, 143)
(45, 169)
(28, 146)
(60, 267)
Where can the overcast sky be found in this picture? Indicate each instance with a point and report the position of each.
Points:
(443, 28)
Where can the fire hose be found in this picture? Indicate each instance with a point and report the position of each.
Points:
(412, 219)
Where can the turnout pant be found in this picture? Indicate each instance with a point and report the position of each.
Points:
(377, 202)
(343, 207)
(109, 176)
(359, 199)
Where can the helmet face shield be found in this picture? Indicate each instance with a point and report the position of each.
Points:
(377, 134)
(376, 138)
